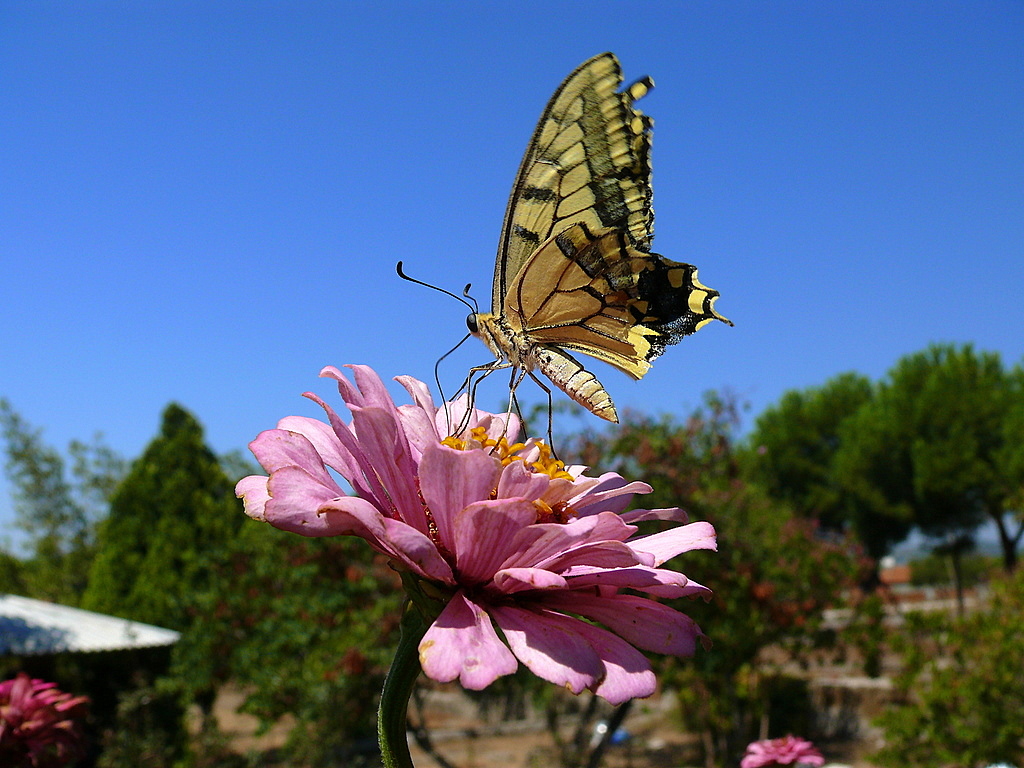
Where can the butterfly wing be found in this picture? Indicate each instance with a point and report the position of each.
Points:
(588, 162)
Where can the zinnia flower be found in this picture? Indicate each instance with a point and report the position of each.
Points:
(39, 725)
(509, 534)
(789, 750)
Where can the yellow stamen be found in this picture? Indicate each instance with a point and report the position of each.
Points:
(546, 463)
(455, 442)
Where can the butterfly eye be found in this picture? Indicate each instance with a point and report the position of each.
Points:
(471, 323)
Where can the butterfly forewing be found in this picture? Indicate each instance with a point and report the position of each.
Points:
(588, 161)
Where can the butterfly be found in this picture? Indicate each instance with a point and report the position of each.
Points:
(575, 271)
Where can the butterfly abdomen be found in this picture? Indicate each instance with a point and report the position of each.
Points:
(577, 382)
(565, 372)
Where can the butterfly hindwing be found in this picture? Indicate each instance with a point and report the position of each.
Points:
(593, 292)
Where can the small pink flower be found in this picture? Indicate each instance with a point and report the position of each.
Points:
(39, 725)
(789, 750)
(514, 537)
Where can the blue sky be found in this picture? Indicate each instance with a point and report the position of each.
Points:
(204, 202)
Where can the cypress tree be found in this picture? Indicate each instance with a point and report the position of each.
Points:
(174, 514)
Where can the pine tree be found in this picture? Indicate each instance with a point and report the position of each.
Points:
(174, 514)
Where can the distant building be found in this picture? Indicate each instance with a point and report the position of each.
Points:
(895, 575)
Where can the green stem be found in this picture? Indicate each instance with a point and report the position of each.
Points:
(394, 699)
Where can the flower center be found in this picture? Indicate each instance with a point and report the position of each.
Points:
(544, 463)
(537, 457)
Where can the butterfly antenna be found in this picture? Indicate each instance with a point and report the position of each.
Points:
(465, 292)
(404, 276)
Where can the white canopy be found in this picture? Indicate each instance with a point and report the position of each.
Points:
(32, 627)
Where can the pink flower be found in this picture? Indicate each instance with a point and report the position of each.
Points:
(512, 536)
(39, 725)
(789, 750)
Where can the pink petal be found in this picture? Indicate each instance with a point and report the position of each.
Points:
(253, 492)
(349, 393)
(364, 478)
(378, 433)
(544, 541)
(451, 480)
(420, 394)
(277, 448)
(418, 419)
(628, 673)
(511, 580)
(640, 621)
(375, 395)
(298, 483)
(601, 554)
(419, 428)
(417, 551)
(668, 544)
(551, 646)
(494, 425)
(368, 392)
(659, 582)
(462, 643)
(611, 494)
(326, 443)
(295, 497)
(608, 526)
(498, 425)
(374, 391)
(483, 534)
(672, 515)
(358, 517)
(517, 480)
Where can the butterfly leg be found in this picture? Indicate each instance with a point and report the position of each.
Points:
(470, 386)
(551, 407)
(518, 374)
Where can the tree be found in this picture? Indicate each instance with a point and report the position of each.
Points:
(57, 508)
(791, 453)
(934, 446)
(773, 575)
(171, 517)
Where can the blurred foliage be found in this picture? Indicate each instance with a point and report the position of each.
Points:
(146, 731)
(56, 506)
(307, 627)
(12, 575)
(936, 569)
(108, 678)
(962, 699)
(773, 575)
(791, 447)
(791, 453)
(935, 445)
